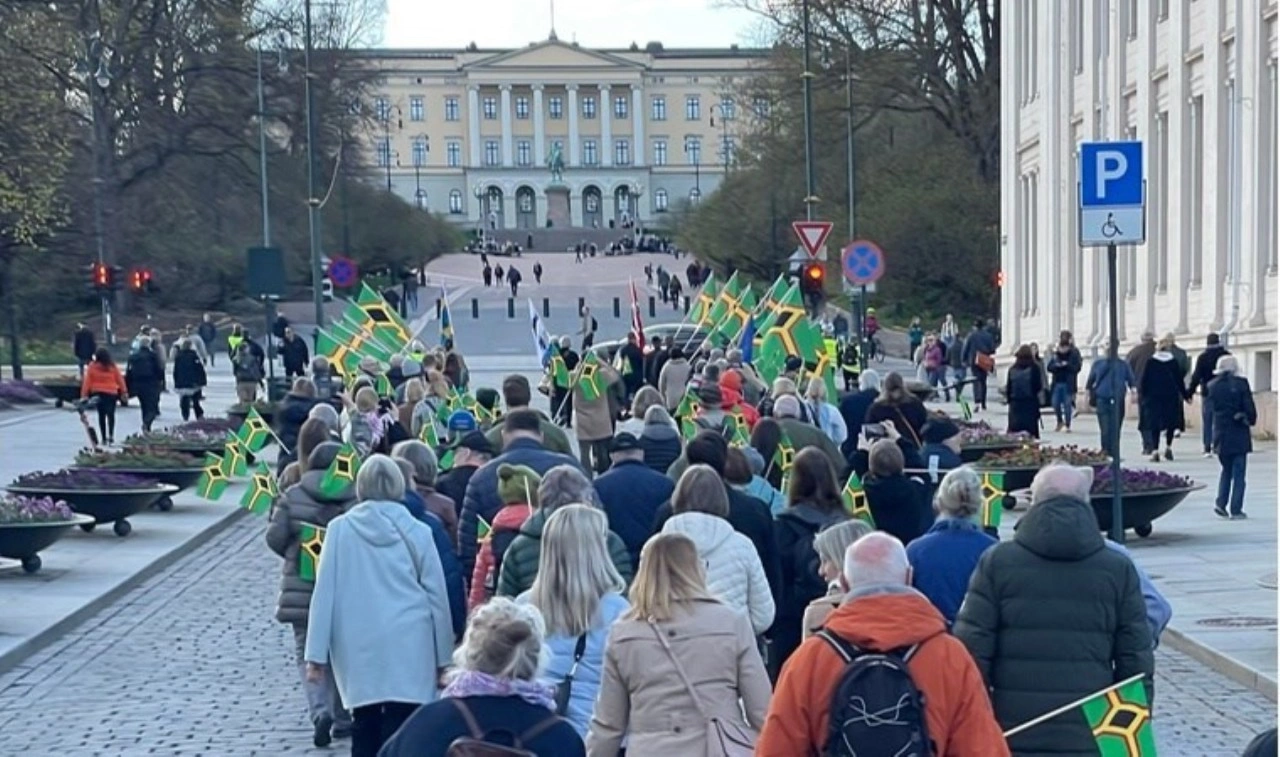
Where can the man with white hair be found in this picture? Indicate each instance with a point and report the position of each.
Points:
(883, 622)
(1053, 615)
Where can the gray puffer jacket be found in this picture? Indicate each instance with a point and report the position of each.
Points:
(301, 503)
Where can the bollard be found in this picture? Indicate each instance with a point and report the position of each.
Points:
(546, 307)
(686, 305)
(511, 307)
(439, 307)
(617, 308)
(653, 306)
(475, 308)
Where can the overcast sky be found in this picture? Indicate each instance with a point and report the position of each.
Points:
(593, 23)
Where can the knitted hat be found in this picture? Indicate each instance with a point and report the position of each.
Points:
(518, 484)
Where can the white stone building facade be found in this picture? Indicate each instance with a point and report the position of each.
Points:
(1199, 89)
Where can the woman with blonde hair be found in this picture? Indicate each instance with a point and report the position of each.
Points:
(733, 570)
(943, 559)
(579, 593)
(830, 544)
(428, 408)
(414, 391)
(677, 664)
(826, 415)
(645, 398)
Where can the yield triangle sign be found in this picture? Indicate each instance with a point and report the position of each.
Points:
(813, 234)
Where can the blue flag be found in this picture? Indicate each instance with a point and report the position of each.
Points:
(446, 319)
(747, 343)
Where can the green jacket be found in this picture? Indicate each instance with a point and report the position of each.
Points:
(520, 562)
(553, 437)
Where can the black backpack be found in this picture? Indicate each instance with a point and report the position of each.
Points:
(504, 743)
(876, 709)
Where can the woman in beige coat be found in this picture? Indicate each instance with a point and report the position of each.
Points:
(594, 419)
(675, 625)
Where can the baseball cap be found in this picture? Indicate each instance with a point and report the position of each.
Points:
(624, 442)
(475, 441)
(462, 420)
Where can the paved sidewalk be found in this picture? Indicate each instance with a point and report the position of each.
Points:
(1220, 576)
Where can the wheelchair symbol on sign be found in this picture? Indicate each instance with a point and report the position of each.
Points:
(1109, 229)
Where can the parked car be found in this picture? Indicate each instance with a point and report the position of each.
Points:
(687, 336)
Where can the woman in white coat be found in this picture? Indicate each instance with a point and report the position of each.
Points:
(734, 573)
(379, 613)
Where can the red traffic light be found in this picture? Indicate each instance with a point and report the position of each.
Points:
(814, 271)
(101, 276)
(1000, 279)
(140, 279)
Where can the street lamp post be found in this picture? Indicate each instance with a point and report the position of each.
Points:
(807, 76)
(386, 136)
(97, 83)
(313, 202)
(693, 151)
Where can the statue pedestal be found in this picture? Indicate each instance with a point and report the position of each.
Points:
(558, 209)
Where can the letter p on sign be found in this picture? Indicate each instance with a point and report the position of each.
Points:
(1112, 165)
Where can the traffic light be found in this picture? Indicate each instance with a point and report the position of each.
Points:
(813, 278)
(101, 276)
(999, 279)
(140, 280)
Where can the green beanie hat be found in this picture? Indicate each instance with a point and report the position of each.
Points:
(518, 484)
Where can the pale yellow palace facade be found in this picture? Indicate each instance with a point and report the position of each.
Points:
(468, 133)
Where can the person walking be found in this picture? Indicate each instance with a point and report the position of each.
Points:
(1053, 616)
(677, 663)
(1064, 371)
(1161, 392)
(854, 406)
(144, 374)
(945, 557)
(579, 594)
(562, 485)
(208, 332)
(820, 706)
(898, 406)
(660, 440)
(537, 272)
(487, 274)
(518, 488)
(1234, 414)
(1022, 388)
(513, 279)
(293, 354)
(631, 493)
(978, 355)
(674, 378)
(1106, 387)
(949, 331)
(734, 572)
(494, 695)
(499, 274)
(594, 424)
(813, 504)
(826, 415)
(379, 614)
(83, 345)
(247, 361)
(934, 361)
(899, 503)
(1201, 375)
(588, 329)
(104, 383)
(303, 504)
(189, 380)
(674, 290)
(915, 337)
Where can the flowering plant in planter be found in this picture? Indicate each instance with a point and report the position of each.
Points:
(204, 427)
(83, 478)
(142, 458)
(1133, 480)
(21, 393)
(176, 438)
(985, 436)
(1036, 457)
(22, 509)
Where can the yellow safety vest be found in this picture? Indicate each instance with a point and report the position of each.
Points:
(233, 342)
(833, 349)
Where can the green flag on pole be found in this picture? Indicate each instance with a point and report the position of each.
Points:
(590, 378)
(992, 499)
(705, 299)
(855, 500)
(1121, 721)
(310, 541)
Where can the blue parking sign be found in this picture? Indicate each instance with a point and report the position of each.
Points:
(1112, 193)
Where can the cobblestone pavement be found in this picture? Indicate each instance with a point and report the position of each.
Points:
(193, 663)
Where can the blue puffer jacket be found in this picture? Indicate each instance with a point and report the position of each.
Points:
(586, 681)
(417, 507)
(943, 560)
(631, 493)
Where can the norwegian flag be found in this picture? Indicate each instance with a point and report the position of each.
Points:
(636, 324)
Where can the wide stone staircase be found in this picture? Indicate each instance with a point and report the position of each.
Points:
(559, 239)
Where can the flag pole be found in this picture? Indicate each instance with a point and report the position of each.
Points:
(1070, 706)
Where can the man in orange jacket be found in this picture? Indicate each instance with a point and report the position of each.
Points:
(883, 613)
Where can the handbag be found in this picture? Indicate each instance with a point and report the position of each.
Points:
(724, 739)
(565, 687)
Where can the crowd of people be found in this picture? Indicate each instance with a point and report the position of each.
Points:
(671, 587)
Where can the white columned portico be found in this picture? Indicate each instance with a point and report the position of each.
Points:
(507, 157)
(606, 127)
(473, 124)
(539, 129)
(637, 124)
(575, 157)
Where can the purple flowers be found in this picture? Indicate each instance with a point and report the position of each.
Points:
(21, 509)
(1132, 480)
(985, 436)
(1035, 457)
(137, 458)
(82, 478)
(205, 426)
(21, 392)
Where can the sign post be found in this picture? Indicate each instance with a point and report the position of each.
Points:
(862, 263)
(1112, 212)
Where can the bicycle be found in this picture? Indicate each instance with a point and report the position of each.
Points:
(875, 350)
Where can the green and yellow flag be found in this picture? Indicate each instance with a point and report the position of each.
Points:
(341, 472)
(560, 376)
(688, 405)
(688, 428)
(310, 540)
(254, 433)
(262, 490)
(430, 435)
(590, 379)
(992, 499)
(235, 462)
(1121, 721)
(773, 295)
(741, 436)
(705, 299)
(784, 456)
(213, 482)
(735, 318)
(728, 296)
(483, 530)
(855, 500)
(361, 340)
(788, 307)
(381, 317)
(342, 358)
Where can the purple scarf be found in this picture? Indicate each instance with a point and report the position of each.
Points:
(470, 683)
